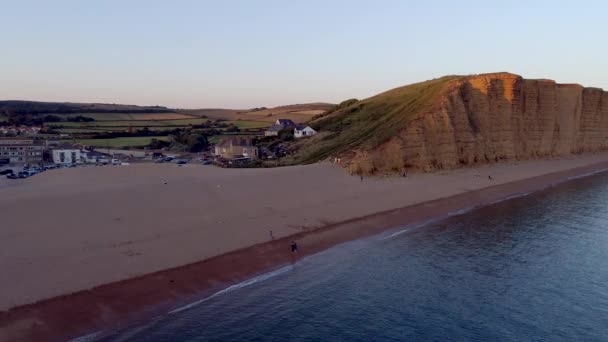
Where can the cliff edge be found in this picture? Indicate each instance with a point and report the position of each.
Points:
(462, 120)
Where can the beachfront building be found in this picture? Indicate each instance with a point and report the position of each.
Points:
(278, 126)
(95, 157)
(67, 153)
(301, 131)
(233, 148)
(21, 150)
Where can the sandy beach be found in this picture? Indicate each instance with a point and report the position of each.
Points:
(71, 230)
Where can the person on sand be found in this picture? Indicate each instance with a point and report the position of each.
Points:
(490, 177)
(361, 179)
(294, 247)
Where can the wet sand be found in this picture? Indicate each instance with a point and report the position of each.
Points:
(70, 231)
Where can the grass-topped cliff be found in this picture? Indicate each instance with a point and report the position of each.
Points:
(455, 121)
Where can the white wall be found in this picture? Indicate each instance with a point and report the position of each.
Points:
(306, 132)
(67, 154)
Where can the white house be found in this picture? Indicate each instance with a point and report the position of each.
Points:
(66, 153)
(303, 131)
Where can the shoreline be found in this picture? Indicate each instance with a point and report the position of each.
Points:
(145, 297)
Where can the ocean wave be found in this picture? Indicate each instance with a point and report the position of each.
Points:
(87, 338)
(245, 283)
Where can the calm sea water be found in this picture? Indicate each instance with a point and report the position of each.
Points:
(533, 268)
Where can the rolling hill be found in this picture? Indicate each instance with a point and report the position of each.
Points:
(34, 107)
(101, 111)
(296, 112)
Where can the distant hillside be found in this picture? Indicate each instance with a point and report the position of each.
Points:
(34, 108)
(455, 121)
(297, 112)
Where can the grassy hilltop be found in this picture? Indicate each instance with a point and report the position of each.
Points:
(368, 123)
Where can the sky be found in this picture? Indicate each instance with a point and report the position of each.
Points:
(244, 54)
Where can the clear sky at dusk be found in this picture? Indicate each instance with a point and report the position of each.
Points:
(241, 54)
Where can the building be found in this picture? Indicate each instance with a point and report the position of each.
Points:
(285, 123)
(233, 148)
(21, 150)
(278, 126)
(301, 131)
(66, 153)
(273, 131)
(95, 157)
(20, 130)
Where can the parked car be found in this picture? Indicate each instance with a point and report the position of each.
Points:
(24, 174)
(12, 176)
(181, 162)
(6, 172)
(207, 162)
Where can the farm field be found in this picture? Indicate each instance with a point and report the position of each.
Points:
(298, 113)
(118, 142)
(97, 126)
(127, 123)
(133, 116)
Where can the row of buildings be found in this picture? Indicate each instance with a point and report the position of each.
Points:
(29, 151)
(244, 148)
(20, 130)
(299, 131)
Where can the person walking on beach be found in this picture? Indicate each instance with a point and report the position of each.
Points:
(294, 247)
(361, 179)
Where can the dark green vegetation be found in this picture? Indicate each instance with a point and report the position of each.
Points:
(368, 123)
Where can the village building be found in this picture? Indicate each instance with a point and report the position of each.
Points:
(20, 130)
(21, 150)
(233, 148)
(95, 157)
(273, 131)
(66, 153)
(301, 131)
(278, 126)
(285, 123)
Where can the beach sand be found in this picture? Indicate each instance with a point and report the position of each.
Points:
(70, 230)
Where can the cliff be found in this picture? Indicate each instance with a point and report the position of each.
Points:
(463, 120)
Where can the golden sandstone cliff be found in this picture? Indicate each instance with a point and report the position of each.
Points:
(484, 119)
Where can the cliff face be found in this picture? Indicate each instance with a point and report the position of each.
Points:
(490, 118)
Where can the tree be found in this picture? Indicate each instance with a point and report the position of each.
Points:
(197, 142)
(156, 144)
(192, 141)
(232, 128)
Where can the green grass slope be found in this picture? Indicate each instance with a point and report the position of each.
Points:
(368, 123)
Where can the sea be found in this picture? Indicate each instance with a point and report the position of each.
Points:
(531, 268)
